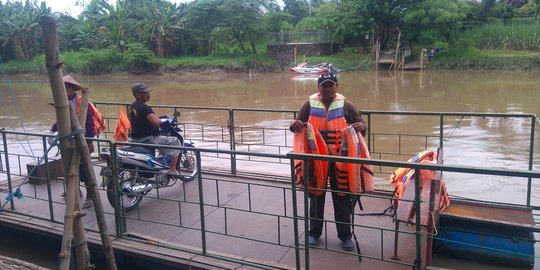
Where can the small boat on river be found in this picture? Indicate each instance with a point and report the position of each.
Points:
(306, 68)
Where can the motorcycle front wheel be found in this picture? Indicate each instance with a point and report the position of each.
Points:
(187, 165)
(127, 180)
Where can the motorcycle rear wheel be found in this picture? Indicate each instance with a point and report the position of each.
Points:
(127, 179)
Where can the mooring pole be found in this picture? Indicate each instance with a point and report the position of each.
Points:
(91, 183)
(69, 159)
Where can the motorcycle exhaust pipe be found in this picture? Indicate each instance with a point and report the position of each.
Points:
(139, 189)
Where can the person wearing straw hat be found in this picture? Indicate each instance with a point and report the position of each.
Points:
(72, 86)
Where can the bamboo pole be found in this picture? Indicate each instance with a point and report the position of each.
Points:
(397, 48)
(81, 245)
(92, 187)
(69, 159)
(377, 53)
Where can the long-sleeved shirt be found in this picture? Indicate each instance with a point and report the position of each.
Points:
(89, 127)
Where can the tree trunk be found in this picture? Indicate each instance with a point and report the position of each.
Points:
(239, 40)
(159, 45)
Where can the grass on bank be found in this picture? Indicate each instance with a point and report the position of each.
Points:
(471, 58)
(499, 36)
(231, 62)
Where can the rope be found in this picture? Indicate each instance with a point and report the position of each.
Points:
(4, 75)
(370, 55)
(18, 193)
(451, 132)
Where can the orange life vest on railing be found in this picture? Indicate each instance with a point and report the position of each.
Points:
(401, 177)
(121, 131)
(99, 123)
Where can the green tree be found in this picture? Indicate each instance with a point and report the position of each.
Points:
(330, 20)
(379, 17)
(277, 20)
(19, 27)
(71, 34)
(161, 23)
(115, 22)
(537, 10)
(485, 9)
(298, 8)
(242, 18)
(432, 21)
(203, 17)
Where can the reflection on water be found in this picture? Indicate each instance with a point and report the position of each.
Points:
(489, 142)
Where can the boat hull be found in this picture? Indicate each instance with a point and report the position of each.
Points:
(491, 243)
(299, 70)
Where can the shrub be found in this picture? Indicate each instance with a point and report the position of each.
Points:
(100, 61)
(139, 59)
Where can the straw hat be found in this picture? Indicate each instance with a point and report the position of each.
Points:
(69, 80)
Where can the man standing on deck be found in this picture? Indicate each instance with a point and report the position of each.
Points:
(145, 125)
(329, 112)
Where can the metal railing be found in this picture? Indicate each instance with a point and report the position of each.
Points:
(285, 37)
(232, 134)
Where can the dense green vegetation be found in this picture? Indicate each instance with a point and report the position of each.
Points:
(141, 36)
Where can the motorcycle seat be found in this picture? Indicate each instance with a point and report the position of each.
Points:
(139, 149)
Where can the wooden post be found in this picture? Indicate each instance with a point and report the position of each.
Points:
(81, 246)
(422, 55)
(69, 159)
(92, 187)
(377, 53)
(295, 53)
(397, 49)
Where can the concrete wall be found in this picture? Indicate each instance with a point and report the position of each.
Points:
(284, 53)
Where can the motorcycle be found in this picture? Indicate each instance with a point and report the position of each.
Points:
(140, 170)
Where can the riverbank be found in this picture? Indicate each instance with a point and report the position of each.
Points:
(107, 62)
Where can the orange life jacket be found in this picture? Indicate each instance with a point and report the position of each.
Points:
(121, 131)
(398, 175)
(328, 121)
(99, 123)
(401, 177)
(351, 177)
(310, 141)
